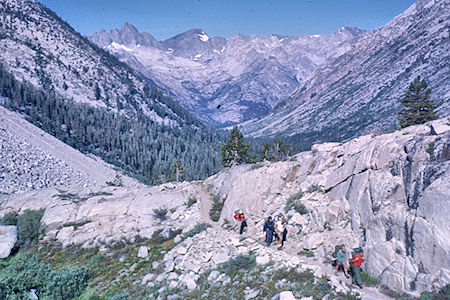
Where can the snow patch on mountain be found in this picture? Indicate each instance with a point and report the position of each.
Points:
(204, 37)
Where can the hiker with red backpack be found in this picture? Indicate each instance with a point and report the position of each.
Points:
(239, 216)
(357, 260)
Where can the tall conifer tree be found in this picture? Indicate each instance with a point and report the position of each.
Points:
(418, 106)
(235, 151)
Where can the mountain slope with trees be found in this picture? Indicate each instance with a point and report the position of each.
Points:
(90, 100)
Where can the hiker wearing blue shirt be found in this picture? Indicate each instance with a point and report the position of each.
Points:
(341, 260)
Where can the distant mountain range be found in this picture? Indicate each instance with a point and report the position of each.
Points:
(358, 91)
(223, 80)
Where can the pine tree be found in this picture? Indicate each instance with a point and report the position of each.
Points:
(281, 150)
(177, 171)
(418, 106)
(265, 153)
(235, 151)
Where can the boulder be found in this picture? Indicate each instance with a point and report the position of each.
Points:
(8, 237)
(220, 257)
(287, 295)
(143, 252)
(190, 284)
(262, 260)
(313, 241)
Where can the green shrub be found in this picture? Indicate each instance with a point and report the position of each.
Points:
(24, 272)
(158, 239)
(293, 275)
(430, 148)
(191, 201)
(10, 218)
(240, 262)
(368, 280)
(307, 253)
(67, 283)
(293, 203)
(315, 188)
(160, 213)
(444, 293)
(118, 181)
(216, 208)
(28, 226)
(197, 229)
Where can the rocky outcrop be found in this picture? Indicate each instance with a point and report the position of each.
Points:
(386, 193)
(8, 238)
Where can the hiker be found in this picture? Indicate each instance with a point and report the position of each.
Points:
(239, 216)
(280, 229)
(269, 228)
(341, 259)
(357, 260)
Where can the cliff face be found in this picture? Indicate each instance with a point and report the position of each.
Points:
(388, 194)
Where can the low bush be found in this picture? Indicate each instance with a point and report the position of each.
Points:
(315, 188)
(307, 253)
(28, 227)
(240, 262)
(368, 280)
(216, 208)
(191, 201)
(23, 272)
(197, 229)
(160, 213)
(158, 237)
(294, 203)
(10, 218)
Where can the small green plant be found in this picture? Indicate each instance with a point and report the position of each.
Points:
(307, 253)
(10, 218)
(393, 294)
(93, 194)
(368, 280)
(216, 208)
(430, 148)
(28, 227)
(160, 213)
(398, 251)
(197, 229)
(158, 238)
(76, 224)
(293, 203)
(191, 201)
(65, 195)
(118, 181)
(376, 208)
(315, 188)
(443, 293)
(240, 262)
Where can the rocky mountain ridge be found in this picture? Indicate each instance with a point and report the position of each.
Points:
(358, 91)
(244, 76)
(386, 193)
(40, 48)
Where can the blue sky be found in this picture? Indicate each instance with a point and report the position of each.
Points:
(166, 18)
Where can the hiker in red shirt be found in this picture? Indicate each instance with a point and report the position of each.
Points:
(357, 260)
(239, 216)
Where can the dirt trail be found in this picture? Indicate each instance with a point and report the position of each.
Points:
(205, 203)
